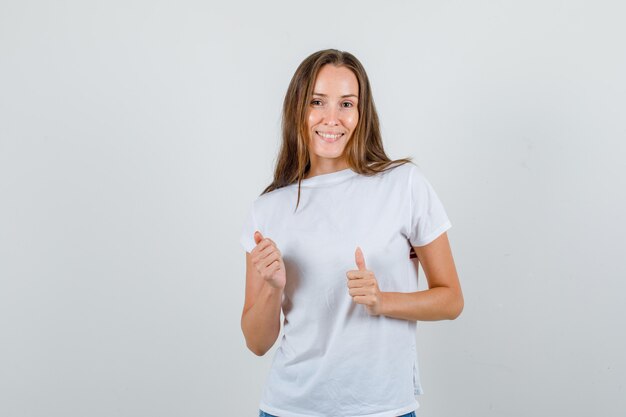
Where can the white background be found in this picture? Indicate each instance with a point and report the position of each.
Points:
(135, 134)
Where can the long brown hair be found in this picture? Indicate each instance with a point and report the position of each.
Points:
(364, 151)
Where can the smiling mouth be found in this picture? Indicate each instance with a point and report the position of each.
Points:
(329, 137)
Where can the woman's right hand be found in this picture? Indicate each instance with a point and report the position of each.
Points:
(268, 261)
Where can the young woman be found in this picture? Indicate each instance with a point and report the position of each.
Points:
(334, 242)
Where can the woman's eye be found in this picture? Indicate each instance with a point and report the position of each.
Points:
(348, 104)
(316, 101)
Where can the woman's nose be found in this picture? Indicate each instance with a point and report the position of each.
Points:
(331, 116)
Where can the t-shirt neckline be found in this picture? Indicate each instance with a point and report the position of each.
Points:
(330, 178)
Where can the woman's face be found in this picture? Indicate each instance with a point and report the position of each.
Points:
(333, 116)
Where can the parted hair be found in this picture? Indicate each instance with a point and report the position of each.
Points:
(364, 151)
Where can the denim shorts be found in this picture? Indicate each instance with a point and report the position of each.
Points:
(264, 414)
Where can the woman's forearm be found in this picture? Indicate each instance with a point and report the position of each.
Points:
(438, 303)
(261, 322)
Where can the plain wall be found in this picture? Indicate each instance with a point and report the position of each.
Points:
(134, 135)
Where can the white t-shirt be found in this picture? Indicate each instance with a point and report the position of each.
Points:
(334, 359)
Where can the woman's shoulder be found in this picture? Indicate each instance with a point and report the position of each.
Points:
(411, 170)
(272, 198)
(399, 170)
(405, 174)
(404, 167)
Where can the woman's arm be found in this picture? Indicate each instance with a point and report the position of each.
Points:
(443, 300)
(265, 280)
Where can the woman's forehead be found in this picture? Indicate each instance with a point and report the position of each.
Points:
(335, 81)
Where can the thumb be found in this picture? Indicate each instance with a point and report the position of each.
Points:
(360, 260)
(257, 237)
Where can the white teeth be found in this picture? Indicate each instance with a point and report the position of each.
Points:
(327, 136)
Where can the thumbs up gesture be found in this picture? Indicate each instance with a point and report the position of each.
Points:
(268, 261)
(363, 287)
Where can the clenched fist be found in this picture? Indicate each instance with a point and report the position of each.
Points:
(268, 261)
(363, 287)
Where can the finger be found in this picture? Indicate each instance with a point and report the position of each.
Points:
(360, 260)
(269, 247)
(357, 283)
(275, 245)
(362, 299)
(271, 258)
(257, 237)
(265, 267)
(264, 255)
(270, 242)
(355, 274)
(263, 249)
(359, 291)
(260, 246)
(273, 268)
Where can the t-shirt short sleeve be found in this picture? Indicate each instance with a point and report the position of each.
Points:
(428, 218)
(247, 231)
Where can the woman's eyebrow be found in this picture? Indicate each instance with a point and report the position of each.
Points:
(345, 95)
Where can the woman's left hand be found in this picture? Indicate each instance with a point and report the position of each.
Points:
(363, 287)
